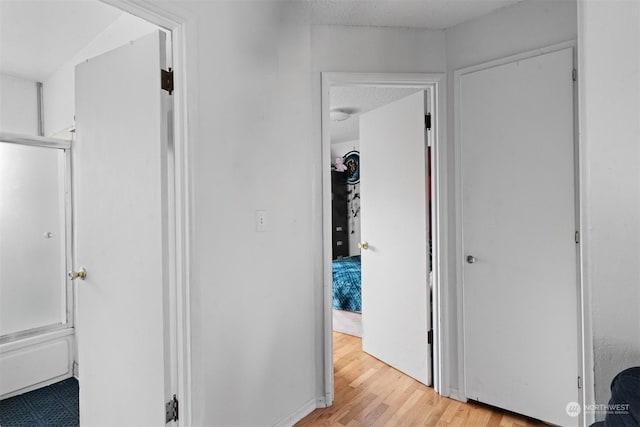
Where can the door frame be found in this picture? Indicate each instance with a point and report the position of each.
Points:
(585, 359)
(436, 83)
(177, 327)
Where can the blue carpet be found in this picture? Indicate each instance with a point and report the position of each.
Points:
(52, 406)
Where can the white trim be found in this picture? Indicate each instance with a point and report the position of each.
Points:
(184, 107)
(512, 58)
(34, 141)
(321, 402)
(298, 414)
(167, 16)
(437, 85)
(69, 243)
(327, 284)
(584, 363)
(27, 341)
(588, 365)
(440, 239)
(33, 333)
(182, 25)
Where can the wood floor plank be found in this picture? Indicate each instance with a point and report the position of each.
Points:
(370, 393)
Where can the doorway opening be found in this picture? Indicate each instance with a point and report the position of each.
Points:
(35, 341)
(345, 242)
(348, 104)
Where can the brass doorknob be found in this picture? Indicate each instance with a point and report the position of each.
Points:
(363, 245)
(80, 274)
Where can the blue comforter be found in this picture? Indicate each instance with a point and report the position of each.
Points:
(347, 292)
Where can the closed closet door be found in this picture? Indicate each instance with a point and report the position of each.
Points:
(519, 262)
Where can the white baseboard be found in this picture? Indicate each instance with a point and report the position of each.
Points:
(298, 414)
(321, 402)
(455, 395)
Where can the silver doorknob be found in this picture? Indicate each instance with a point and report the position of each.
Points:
(363, 245)
(80, 274)
(471, 259)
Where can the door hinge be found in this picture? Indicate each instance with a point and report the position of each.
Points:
(579, 383)
(430, 336)
(577, 237)
(166, 78)
(427, 121)
(574, 75)
(171, 410)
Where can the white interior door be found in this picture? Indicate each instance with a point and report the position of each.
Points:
(394, 222)
(120, 178)
(518, 209)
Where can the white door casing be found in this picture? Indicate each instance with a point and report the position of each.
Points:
(520, 296)
(121, 235)
(394, 223)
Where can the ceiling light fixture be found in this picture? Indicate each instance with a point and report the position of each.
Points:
(338, 115)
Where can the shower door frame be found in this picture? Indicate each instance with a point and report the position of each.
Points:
(65, 146)
(30, 339)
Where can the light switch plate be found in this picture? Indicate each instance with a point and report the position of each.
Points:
(261, 220)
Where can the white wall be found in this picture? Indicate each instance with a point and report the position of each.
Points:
(376, 49)
(256, 296)
(59, 90)
(511, 30)
(252, 292)
(353, 227)
(18, 105)
(256, 145)
(609, 78)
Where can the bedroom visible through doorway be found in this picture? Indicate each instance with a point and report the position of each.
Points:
(348, 103)
(344, 103)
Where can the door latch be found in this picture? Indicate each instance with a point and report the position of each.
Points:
(80, 274)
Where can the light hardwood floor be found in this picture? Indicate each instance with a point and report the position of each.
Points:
(371, 393)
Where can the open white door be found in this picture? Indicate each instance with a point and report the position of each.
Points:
(121, 235)
(518, 210)
(395, 267)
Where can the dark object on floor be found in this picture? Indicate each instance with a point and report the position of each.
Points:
(52, 406)
(624, 405)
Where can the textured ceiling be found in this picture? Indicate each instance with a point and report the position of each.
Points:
(358, 100)
(433, 14)
(38, 36)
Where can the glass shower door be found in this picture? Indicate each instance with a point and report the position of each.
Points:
(33, 240)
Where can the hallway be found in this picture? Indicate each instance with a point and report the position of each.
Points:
(371, 393)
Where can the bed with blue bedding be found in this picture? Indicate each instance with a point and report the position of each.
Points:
(347, 279)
